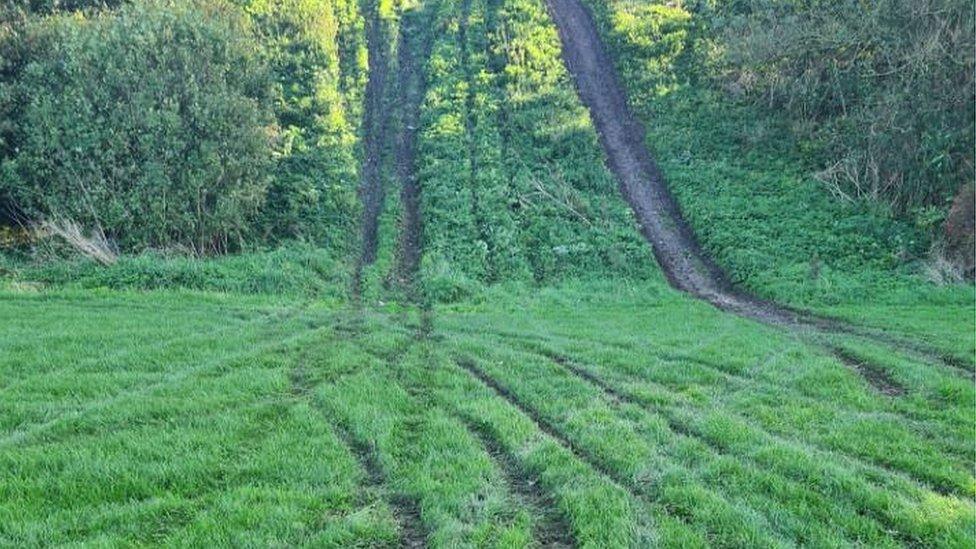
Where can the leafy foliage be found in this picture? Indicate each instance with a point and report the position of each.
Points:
(51, 6)
(884, 87)
(315, 50)
(148, 122)
(514, 183)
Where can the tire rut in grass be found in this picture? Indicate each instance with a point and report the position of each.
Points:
(876, 376)
(618, 397)
(553, 530)
(675, 246)
(405, 510)
(873, 374)
(546, 427)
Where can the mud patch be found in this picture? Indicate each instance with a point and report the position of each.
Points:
(376, 125)
(412, 86)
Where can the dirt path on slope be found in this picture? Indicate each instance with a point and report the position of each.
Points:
(412, 54)
(622, 136)
(684, 263)
(376, 125)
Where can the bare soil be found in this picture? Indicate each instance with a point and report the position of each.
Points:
(411, 87)
(376, 124)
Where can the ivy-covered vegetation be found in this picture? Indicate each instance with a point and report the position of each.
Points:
(514, 182)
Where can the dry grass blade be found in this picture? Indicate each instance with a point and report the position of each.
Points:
(95, 245)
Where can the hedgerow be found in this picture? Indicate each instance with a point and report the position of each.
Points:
(238, 123)
(148, 124)
(315, 50)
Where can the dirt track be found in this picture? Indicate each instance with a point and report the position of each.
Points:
(622, 136)
(376, 123)
(684, 263)
(411, 86)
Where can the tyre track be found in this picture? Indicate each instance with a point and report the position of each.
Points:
(920, 426)
(674, 244)
(620, 397)
(874, 375)
(549, 429)
(552, 530)
(406, 511)
(412, 86)
(376, 125)
(28, 433)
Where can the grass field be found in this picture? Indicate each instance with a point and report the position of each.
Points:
(500, 362)
(600, 414)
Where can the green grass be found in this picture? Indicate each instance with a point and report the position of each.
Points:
(636, 415)
(294, 270)
(559, 390)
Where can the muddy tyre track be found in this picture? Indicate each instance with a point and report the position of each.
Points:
(675, 247)
(586, 457)
(412, 57)
(376, 125)
(620, 397)
(553, 530)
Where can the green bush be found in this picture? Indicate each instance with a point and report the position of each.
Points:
(51, 6)
(149, 122)
(316, 52)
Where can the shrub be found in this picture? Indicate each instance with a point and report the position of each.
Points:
(315, 51)
(146, 123)
(885, 87)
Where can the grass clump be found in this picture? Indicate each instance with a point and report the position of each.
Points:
(291, 271)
